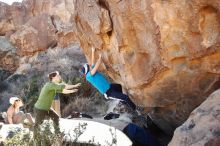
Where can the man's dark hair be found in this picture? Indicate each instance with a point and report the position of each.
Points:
(52, 74)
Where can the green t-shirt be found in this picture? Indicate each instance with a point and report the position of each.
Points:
(47, 95)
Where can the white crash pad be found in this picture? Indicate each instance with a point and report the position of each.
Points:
(96, 132)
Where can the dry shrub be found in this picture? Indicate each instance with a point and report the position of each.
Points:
(93, 106)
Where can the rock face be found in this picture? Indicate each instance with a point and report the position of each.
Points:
(9, 60)
(202, 127)
(36, 35)
(34, 26)
(166, 54)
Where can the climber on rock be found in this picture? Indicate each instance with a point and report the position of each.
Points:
(100, 82)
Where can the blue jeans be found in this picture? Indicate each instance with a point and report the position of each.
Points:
(140, 136)
(115, 91)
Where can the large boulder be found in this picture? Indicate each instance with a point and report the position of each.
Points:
(166, 54)
(35, 25)
(202, 128)
(5, 24)
(60, 13)
(9, 60)
(36, 35)
(12, 17)
(62, 9)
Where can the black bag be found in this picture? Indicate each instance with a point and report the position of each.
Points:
(111, 115)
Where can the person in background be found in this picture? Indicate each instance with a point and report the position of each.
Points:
(100, 82)
(14, 115)
(43, 108)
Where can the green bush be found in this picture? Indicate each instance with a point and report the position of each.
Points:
(45, 137)
(31, 92)
(18, 138)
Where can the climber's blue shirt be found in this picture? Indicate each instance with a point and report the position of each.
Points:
(98, 81)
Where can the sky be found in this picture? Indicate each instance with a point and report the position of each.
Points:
(10, 1)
